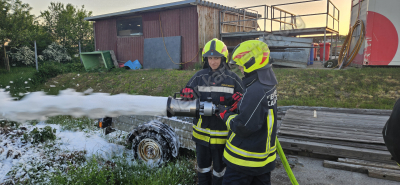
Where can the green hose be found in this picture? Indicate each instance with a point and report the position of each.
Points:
(285, 163)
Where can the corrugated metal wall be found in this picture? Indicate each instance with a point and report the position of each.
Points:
(125, 48)
(151, 25)
(106, 34)
(189, 33)
(170, 23)
(130, 48)
(177, 22)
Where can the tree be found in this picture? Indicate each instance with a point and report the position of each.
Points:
(16, 24)
(66, 25)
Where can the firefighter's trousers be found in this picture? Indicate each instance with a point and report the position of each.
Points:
(233, 177)
(210, 168)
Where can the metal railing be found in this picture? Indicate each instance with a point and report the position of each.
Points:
(241, 14)
(269, 14)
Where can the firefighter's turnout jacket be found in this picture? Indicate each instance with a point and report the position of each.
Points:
(251, 145)
(219, 85)
(391, 133)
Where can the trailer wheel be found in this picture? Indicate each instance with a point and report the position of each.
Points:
(154, 142)
(151, 148)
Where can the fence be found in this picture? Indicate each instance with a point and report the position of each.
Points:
(84, 46)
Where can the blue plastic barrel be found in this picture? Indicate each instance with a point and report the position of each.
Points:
(311, 62)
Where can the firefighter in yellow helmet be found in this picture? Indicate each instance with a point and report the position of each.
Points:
(391, 132)
(250, 150)
(215, 82)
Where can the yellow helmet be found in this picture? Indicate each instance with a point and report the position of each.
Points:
(215, 48)
(251, 55)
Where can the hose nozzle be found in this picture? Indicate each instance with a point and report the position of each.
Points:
(179, 107)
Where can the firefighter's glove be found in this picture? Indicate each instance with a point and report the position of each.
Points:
(187, 93)
(236, 97)
(223, 111)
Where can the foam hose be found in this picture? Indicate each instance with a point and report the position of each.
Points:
(285, 163)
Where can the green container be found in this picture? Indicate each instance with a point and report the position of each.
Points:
(97, 59)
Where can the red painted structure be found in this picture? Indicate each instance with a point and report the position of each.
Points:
(176, 22)
(382, 32)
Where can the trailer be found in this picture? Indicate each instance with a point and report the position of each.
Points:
(154, 139)
(348, 140)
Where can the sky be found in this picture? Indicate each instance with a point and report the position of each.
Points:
(99, 7)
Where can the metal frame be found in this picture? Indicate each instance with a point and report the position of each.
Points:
(328, 14)
(269, 14)
(242, 13)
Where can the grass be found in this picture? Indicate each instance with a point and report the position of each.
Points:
(98, 171)
(144, 82)
(17, 80)
(73, 124)
(120, 170)
(371, 88)
(57, 166)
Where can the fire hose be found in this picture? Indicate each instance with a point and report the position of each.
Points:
(346, 56)
(178, 107)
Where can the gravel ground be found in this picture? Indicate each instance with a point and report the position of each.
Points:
(313, 173)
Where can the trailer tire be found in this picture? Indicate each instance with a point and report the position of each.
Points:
(151, 148)
(154, 142)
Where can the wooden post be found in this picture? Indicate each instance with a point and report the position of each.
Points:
(244, 20)
(36, 59)
(219, 25)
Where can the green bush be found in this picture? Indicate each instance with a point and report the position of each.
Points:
(40, 135)
(45, 72)
(51, 69)
(22, 56)
(73, 67)
(56, 52)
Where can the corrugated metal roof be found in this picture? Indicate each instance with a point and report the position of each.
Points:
(179, 4)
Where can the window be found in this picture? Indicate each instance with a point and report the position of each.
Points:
(129, 26)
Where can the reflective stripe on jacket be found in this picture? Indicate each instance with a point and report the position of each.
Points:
(251, 145)
(220, 86)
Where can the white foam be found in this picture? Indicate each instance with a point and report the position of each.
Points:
(38, 105)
